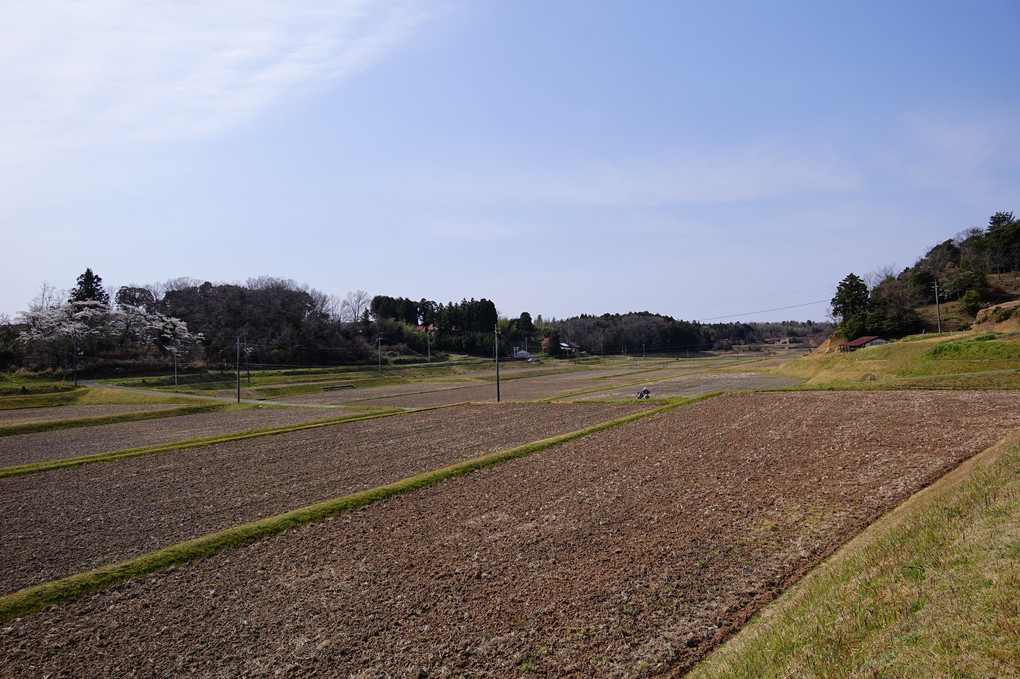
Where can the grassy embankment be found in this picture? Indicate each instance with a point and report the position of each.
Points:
(930, 590)
(962, 361)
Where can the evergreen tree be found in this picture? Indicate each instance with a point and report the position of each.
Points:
(850, 306)
(89, 289)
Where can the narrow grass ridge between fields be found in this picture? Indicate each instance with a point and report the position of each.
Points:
(48, 465)
(54, 425)
(929, 590)
(76, 586)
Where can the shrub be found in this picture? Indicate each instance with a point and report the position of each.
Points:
(971, 302)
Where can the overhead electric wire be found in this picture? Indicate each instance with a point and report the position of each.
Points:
(751, 299)
(762, 311)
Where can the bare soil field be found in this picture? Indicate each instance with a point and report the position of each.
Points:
(30, 415)
(63, 443)
(348, 396)
(510, 390)
(632, 551)
(443, 391)
(69, 520)
(699, 383)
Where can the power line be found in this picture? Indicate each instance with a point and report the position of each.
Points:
(751, 299)
(762, 311)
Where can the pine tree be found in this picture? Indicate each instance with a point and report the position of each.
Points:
(89, 289)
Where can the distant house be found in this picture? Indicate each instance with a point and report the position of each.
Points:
(861, 342)
(565, 347)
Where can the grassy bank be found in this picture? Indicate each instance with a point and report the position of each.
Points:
(970, 361)
(931, 590)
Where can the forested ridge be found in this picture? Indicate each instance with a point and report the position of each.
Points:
(885, 302)
(273, 321)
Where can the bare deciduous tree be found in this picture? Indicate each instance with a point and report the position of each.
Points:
(47, 298)
(354, 306)
(879, 275)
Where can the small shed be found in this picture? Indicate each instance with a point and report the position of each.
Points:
(860, 343)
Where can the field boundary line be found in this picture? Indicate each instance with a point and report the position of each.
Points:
(74, 423)
(127, 453)
(76, 586)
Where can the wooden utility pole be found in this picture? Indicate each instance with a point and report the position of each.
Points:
(938, 312)
(237, 367)
(496, 337)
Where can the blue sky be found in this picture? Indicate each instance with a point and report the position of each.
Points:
(710, 161)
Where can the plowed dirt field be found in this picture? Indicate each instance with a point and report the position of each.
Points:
(63, 443)
(69, 520)
(698, 384)
(435, 393)
(634, 550)
(27, 415)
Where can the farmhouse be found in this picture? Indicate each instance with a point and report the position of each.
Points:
(870, 341)
(565, 347)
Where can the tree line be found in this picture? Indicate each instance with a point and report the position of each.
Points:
(278, 322)
(884, 303)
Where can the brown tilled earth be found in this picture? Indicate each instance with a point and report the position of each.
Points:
(510, 390)
(64, 443)
(437, 392)
(65, 521)
(637, 549)
(698, 384)
(27, 415)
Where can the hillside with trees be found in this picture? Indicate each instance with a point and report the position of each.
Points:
(971, 270)
(278, 322)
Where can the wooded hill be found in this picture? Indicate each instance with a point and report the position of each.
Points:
(968, 269)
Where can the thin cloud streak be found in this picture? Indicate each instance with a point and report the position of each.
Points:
(99, 74)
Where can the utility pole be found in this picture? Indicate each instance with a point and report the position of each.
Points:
(938, 312)
(237, 367)
(74, 355)
(378, 341)
(496, 337)
(428, 343)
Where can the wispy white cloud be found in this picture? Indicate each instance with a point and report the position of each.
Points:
(108, 72)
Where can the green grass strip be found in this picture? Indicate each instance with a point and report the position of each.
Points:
(54, 425)
(19, 401)
(76, 586)
(48, 465)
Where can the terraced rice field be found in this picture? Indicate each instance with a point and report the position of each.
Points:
(698, 384)
(64, 521)
(631, 551)
(31, 415)
(64, 443)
